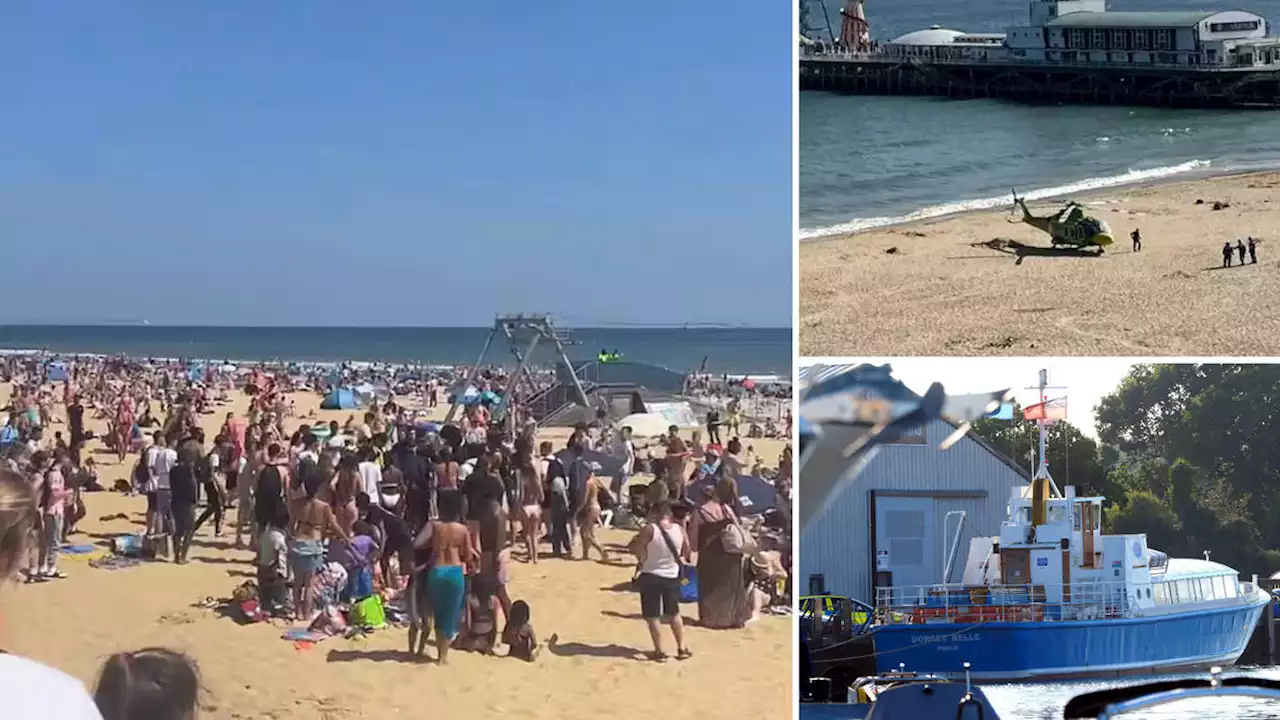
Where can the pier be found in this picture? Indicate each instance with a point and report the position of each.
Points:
(1042, 82)
(1068, 51)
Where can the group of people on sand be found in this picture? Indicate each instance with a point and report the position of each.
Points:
(150, 684)
(1241, 248)
(334, 512)
(1248, 246)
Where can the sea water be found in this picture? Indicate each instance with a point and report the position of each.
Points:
(868, 161)
(724, 349)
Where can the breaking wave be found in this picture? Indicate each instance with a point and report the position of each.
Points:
(1127, 178)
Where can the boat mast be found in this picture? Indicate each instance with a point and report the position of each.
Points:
(1042, 472)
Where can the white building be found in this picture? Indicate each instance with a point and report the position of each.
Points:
(1075, 32)
(939, 43)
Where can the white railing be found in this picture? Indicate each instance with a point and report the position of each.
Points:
(975, 604)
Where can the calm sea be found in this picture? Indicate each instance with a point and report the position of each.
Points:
(871, 161)
(725, 350)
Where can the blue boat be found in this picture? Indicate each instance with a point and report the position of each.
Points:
(1053, 597)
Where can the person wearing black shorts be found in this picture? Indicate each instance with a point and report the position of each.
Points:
(662, 549)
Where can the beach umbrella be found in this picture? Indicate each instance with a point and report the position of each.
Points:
(755, 494)
(490, 396)
(601, 463)
(645, 424)
(749, 384)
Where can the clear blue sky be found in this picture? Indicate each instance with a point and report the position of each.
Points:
(405, 163)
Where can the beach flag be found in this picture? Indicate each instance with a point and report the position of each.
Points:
(1050, 410)
(1004, 412)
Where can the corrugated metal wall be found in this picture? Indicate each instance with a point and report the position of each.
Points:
(838, 544)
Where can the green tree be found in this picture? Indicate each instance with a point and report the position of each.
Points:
(1143, 512)
(1200, 439)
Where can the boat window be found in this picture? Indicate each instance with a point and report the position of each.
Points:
(1206, 588)
(1233, 587)
(1075, 518)
(1162, 594)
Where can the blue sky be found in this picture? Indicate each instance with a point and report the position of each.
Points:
(396, 163)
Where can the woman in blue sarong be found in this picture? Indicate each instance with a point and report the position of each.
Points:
(450, 547)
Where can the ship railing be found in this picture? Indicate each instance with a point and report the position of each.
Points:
(1009, 61)
(976, 604)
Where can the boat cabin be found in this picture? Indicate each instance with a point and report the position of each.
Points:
(1052, 561)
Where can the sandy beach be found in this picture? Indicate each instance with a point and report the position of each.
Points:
(958, 286)
(595, 671)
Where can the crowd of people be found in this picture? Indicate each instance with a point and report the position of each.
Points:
(383, 504)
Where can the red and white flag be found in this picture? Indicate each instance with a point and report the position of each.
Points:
(1050, 410)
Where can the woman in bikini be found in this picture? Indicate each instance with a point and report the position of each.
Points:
(124, 426)
(531, 496)
(588, 515)
(345, 488)
(449, 542)
(312, 518)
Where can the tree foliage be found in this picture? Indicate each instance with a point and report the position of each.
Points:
(1189, 455)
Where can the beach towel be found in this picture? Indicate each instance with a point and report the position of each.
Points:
(114, 563)
(446, 588)
(305, 635)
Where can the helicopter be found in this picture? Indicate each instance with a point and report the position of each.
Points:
(1072, 226)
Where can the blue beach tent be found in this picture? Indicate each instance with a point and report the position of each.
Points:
(59, 372)
(340, 399)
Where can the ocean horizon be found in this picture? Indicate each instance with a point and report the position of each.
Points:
(724, 349)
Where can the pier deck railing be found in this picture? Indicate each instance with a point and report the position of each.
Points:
(967, 604)
(888, 59)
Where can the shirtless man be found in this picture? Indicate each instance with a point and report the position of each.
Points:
(444, 585)
(446, 475)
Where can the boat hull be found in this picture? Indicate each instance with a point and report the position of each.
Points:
(1015, 651)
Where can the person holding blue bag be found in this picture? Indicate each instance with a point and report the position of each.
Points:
(357, 559)
(663, 551)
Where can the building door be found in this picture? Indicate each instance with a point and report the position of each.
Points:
(905, 545)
